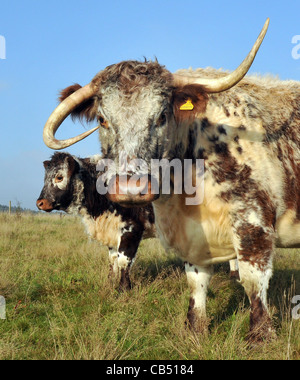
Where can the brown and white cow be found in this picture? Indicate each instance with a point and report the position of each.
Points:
(70, 186)
(248, 132)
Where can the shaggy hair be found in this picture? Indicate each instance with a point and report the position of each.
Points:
(129, 76)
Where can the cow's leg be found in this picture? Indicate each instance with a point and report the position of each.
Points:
(256, 282)
(234, 269)
(129, 244)
(255, 246)
(198, 279)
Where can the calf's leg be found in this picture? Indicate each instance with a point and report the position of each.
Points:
(120, 264)
(113, 263)
(129, 244)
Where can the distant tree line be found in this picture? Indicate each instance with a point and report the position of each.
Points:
(15, 209)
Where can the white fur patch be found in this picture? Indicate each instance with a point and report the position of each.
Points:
(198, 279)
(113, 259)
(106, 229)
(254, 280)
(234, 266)
(123, 261)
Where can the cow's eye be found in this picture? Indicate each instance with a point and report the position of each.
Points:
(59, 178)
(102, 122)
(162, 119)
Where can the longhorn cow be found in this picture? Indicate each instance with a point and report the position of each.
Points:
(247, 131)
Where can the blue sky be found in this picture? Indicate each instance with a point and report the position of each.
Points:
(50, 45)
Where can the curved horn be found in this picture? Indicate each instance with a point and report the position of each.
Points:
(225, 83)
(60, 114)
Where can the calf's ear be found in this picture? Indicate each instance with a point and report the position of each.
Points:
(188, 101)
(86, 110)
(73, 166)
(46, 164)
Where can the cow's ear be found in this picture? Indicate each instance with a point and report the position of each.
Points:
(46, 164)
(188, 101)
(73, 166)
(86, 110)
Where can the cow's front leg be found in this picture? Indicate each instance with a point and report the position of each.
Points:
(255, 280)
(255, 254)
(198, 279)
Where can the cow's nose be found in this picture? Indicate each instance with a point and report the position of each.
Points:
(44, 205)
(130, 187)
(127, 191)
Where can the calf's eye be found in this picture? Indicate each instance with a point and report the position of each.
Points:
(59, 178)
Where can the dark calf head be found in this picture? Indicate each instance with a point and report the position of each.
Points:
(58, 190)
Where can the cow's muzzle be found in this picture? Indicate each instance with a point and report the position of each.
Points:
(44, 205)
(129, 192)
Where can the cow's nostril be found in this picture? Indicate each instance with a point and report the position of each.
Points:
(39, 204)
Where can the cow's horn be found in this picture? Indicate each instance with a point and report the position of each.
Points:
(228, 81)
(59, 115)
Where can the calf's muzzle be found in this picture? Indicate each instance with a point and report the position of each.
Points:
(44, 205)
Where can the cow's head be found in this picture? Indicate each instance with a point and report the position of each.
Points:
(58, 190)
(143, 112)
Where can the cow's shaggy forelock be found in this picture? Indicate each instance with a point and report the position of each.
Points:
(129, 76)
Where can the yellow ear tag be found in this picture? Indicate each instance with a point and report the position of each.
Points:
(188, 106)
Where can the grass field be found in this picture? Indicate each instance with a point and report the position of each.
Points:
(61, 305)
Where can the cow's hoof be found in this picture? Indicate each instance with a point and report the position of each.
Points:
(125, 286)
(199, 328)
(261, 334)
(197, 325)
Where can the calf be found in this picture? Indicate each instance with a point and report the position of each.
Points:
(70, 185)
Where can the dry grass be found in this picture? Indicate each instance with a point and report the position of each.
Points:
(60, 304)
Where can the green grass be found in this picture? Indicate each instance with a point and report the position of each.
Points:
(61, 305)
